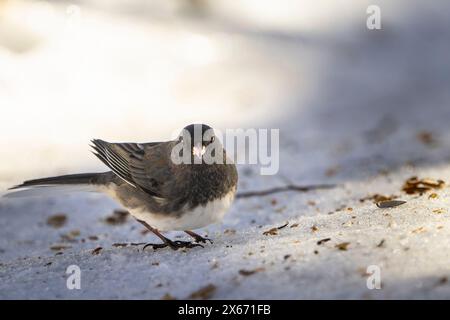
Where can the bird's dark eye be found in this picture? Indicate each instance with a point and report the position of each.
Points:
(212, 139)
(180, 139)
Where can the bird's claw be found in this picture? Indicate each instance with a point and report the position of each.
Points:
(202, 240)
(184, 244)
(174, 245)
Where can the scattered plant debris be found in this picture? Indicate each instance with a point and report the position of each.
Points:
(271, 232)
(375, 198)
(332, 171)
(58, 247)
(118, 217)
(442, 280)
(419, 230)
(119, 245)
(390, 204)
(96, 251)
(57, 220)
(342, 246)
(70, 236)
(426, 138)
(320, 242)
(415, 185)
(381, 244)
(274, 231)
(204, 293)
(246, 273)
(168, 296)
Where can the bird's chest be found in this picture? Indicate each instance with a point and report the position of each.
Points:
(205, 185)
(190, 218)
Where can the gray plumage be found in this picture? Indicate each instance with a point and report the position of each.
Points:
(143, 178)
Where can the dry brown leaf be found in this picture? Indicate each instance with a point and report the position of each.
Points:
(426, 138)
(58, 247)
(378, 198)
(204, 293)
(414, 185)
(57, 220)
(274, 231)
(168, 296)
(271, 232)
(419, 230)
(342, 246)
(96, 251)
(244, 272)
(118, 217)
(119, 245)
(322, 241)
(433, 196)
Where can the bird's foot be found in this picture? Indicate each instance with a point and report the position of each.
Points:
(200, 239)
(174, 245)
(197, 237)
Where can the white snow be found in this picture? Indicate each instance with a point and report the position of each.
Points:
(354, 108)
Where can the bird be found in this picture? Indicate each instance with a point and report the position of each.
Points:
(156, 187)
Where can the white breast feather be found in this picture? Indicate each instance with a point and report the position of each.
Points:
(199, 217)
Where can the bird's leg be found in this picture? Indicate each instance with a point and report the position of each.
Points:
(174, 245)
(197, 237)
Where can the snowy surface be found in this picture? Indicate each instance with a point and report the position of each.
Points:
(364, 110)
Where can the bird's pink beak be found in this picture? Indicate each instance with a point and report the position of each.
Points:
(198, 150)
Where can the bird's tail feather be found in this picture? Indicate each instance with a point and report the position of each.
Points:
(88, 182)
(45, 191)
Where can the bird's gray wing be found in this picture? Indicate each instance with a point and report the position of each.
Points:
(144, 166)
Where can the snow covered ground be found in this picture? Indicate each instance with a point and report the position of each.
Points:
(364, 110)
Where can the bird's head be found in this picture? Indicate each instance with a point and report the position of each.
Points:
(197, 137)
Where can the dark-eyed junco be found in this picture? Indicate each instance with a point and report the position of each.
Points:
(164, 185)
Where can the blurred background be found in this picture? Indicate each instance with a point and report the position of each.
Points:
(365, 109)
(140, 70)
